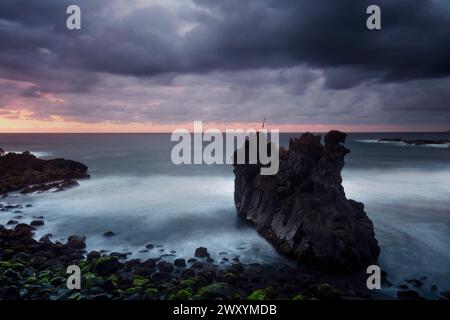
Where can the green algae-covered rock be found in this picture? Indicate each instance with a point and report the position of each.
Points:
(218, 290)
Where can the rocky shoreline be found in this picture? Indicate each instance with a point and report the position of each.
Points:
(36, 269)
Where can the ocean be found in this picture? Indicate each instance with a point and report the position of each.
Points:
(136, 192)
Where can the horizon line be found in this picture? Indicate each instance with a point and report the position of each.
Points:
(168, 132)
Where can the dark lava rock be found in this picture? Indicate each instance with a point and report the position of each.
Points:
(158, 276)
(76, 242)
(46, 238)
(67, 184)
(109, 234)
(187, 273)
(37, 223)
(149, 263)
(327, 292)
(12, 222)
(236, 268)
(2, 152)
(119, 255)
(107, 265)
(165, 266)
(303, 209)
(149, 246)
(18, 171)
(208, 275)
(409, 295)
(197, 265)
(93, 255)
(181, 263)
(219, 290)
(201, 252)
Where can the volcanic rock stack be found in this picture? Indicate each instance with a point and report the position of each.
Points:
(303, 210)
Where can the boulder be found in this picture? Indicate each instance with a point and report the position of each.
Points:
(165, 266)
(219, 290)
(76, 242)
(303, 211)
(180, 263)
(37, 223)
(93, 255)
(201, 252)
(106, 265)
(109, 234)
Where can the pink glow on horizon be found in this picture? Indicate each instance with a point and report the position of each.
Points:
(58, 125)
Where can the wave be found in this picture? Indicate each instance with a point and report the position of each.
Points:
(403, 144)
(178, 213)
(38, 154)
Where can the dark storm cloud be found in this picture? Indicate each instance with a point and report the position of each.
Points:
(232, 34)
(295, 60)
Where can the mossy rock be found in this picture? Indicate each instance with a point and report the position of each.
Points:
(31, 280)
(218, 290)
(151, 293)
(188, 283)
(5, 265)
(327, 292)
(114, 279)
(90, 280)
(44, 274)
(259, 294)
(106, 266)
(140, 282)
(298, 297)
(84, 266)
(182, 294)
(162, 288)
(227, 277)
(19, 267)
(134, 290)
(57, 281)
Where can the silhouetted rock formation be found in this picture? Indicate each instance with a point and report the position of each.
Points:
(20, 171)
(2, 152)
(303, 210)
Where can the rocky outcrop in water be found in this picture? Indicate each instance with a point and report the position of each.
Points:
(303, 210)
(25, 171)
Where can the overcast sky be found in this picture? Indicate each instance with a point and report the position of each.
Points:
(144, 65)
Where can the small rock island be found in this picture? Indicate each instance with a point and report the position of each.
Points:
(24, 171)
(303, 210)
